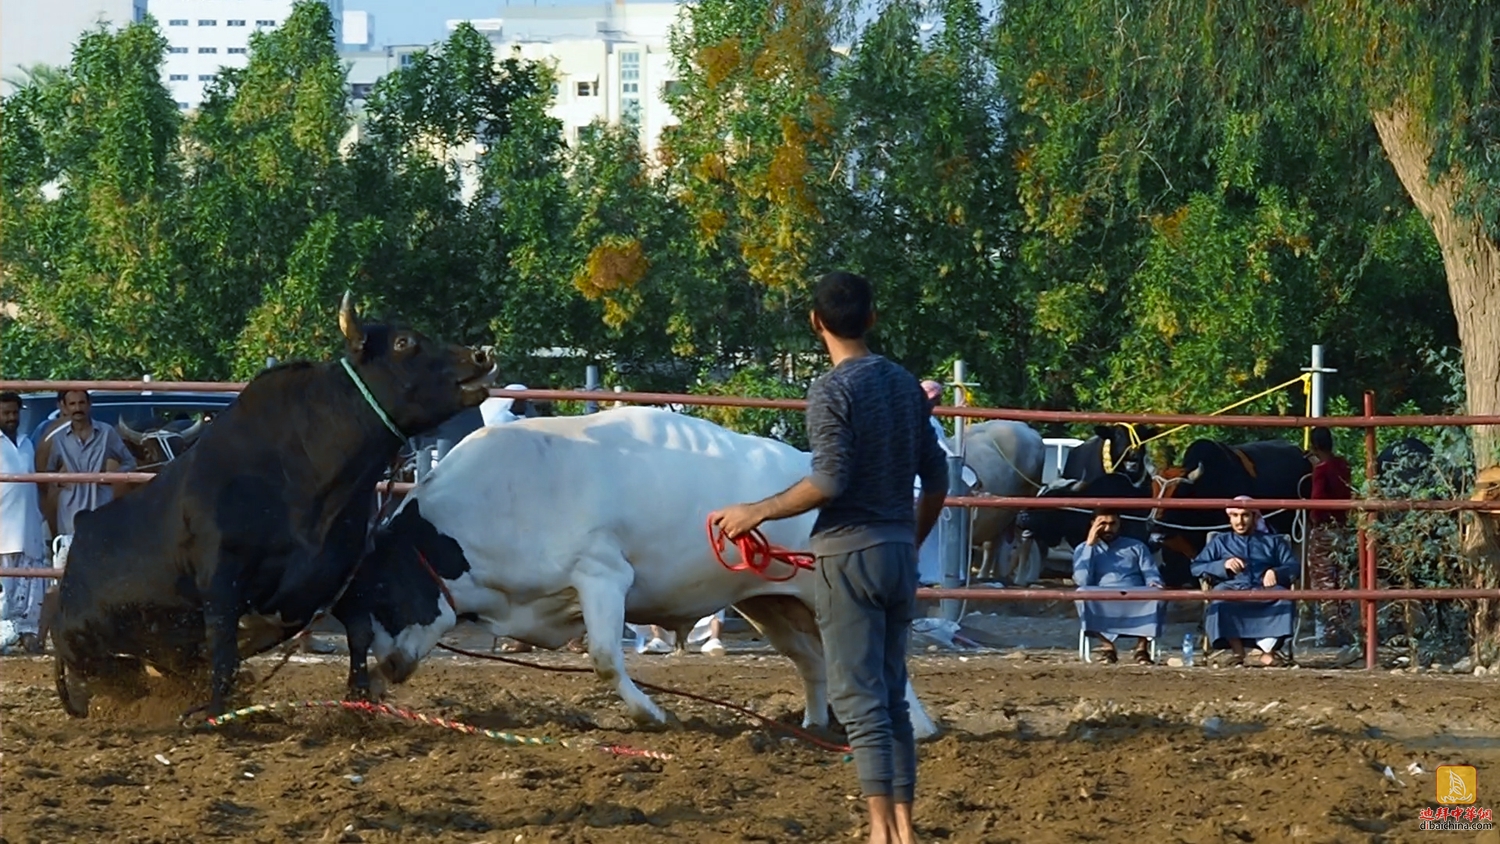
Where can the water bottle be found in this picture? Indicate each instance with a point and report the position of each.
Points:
(1187, 649)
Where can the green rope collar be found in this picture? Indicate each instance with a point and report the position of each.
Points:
(370, 400)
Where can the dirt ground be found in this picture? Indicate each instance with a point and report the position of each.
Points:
(1036, 748)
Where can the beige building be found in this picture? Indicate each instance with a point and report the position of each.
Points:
(612, 59)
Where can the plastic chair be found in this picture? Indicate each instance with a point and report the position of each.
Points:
(1086, 646)
(1206, 584)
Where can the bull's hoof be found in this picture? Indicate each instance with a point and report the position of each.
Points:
(71, 689)
(649, 723)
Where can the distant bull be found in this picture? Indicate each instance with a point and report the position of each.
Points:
(263, 519)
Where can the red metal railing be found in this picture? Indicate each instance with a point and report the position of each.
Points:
(1367, 595)
(1370, 421)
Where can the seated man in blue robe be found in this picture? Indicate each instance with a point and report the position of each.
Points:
(1249, 557)
(1107, 560)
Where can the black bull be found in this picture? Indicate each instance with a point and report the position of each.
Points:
(1210, 469)
(265, 518)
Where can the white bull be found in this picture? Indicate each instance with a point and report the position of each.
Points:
(546, 529)
(1007, 457)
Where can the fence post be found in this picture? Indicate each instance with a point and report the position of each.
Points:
(953, 525)
(1318, 407)
(1367, 539)
(591, 383)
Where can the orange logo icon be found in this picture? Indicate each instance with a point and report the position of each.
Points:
(1457, 784)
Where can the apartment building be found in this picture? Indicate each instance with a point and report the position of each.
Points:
(206, 35)
(612, 59)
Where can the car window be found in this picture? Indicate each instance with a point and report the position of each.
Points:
(138, 411)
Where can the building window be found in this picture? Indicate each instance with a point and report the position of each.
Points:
(202, 50)
(406, 59)
(236, 50)
(234, 23)
(588, 89)
(177, 77)
(265, 23)
(671, 88)
(361, 90)
(178, 49)
(177, 22)
(630, 111)
(630, 66)
(205, 77)
(182, 106)
(202, 22)
(630, 87)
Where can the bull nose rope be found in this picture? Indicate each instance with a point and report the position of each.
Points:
(368, 708)
(757, 553)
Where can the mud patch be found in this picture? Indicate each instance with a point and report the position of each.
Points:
(1032, 751)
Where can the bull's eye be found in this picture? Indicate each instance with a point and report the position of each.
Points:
(402, 343)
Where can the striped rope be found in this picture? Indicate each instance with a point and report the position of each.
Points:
(367, 708)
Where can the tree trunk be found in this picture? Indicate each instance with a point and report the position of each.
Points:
(1471, 260)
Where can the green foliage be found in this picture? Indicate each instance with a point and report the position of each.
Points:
(788, 426)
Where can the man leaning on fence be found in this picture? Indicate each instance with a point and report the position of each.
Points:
(81, 446)
(23, 538)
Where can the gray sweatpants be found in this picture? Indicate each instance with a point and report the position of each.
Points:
(866, 601)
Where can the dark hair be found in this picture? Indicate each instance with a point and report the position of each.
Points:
(1104, 511)
(844, 304)
(9, 397)
(1322, 439)
(62, 395)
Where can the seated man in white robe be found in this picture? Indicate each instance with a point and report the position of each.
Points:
(1107, 560)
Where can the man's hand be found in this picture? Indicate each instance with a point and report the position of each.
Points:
(1234, 565)
(1093, 538)
(1270, 579)
(738, 519)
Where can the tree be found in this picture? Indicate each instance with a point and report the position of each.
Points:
(1135, 111)
(929, 210)
(752, 156)
(91, 176)
(266, 169)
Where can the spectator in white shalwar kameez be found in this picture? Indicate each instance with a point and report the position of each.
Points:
(23, 535)
(1107, 560)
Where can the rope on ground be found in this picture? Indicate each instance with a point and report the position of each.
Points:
(757, 553)
(369, 708)
(770, 722)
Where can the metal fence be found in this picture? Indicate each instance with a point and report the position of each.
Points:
(1367, 593)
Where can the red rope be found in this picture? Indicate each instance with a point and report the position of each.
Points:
(770, 722)
(757, 554)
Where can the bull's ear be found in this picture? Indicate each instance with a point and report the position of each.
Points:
(349, 326)
(1103, 431)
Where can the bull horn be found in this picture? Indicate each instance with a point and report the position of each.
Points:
(129, 433)
(193, 431)
(1193, 476)
(349, 323)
